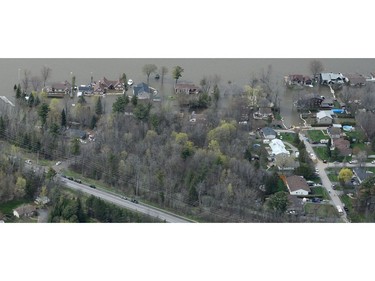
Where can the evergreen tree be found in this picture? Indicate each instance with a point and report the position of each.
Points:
(93, 122)
(18, 92)
(43, 113)
(37, 101)
(98, 107)
(134, 100)
(31, 100)
(15, 87)
(119, 105)
(63, 119)
(2, 127)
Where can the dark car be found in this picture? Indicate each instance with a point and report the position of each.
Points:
(92, 186)
(346, 209)
(78, 181)
(70, 178)
(134, 201)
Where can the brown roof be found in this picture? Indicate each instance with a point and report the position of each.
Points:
(297, 182)
(25, 210)
(343, 146)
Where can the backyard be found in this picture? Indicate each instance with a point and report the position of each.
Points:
(316, 135)
(321, 210)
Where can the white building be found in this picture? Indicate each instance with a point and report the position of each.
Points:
(278, 147)
(324, 117)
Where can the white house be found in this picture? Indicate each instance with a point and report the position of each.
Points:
(324, 117)
(297, 185)
(278, 147)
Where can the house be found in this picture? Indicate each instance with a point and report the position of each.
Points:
(343, 147)
(329, 78)
(309, 101)
(42, 200)
(58, 89)
(334, 132)
(297, 185)
(104, 85)
(326, 103)
(186, 89)
(355, 79)
(142, 91)
(278, 147)
(362, 174)
(84, 90)
(76, 134)
(268, 133)
(263, 113)
(324, 117)
(24, 211)
(298, 80)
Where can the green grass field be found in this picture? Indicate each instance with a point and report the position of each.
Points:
(316, 135)
(288, 137)
(321, 152)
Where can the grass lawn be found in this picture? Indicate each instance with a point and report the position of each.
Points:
(288, 137)
(7, 208)
(333, 177)
(320, 191)
(316, 135)
(356, 134)
(321, 152)
(321, 210)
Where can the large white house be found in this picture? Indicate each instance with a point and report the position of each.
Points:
(278, 147)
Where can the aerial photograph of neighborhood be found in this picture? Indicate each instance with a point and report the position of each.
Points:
(187, 140)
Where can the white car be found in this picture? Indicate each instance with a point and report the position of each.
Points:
(373, 162)
(28, 161)
(58, 163)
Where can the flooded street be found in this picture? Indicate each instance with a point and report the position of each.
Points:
(238, 71)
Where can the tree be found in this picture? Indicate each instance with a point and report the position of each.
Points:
(35, 83)
(46, 73)
(50, 174)
(98, 107)
(177, 72)
(278, 202)
(148, 69)
(134, 100)
(316, 66)
(345, 175)
(2, 127)
(63, 119)
(124, 80)
(18, 92)
(31, 100)
(43, 113)
(216, 95)
(75, 147)
(81, 100)
(164, 70)
(142, 112)
(26, 80)
(119, 105)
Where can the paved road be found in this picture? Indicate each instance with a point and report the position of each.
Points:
(326, 182)
(141, 208)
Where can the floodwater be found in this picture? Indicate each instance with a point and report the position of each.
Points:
(238, 71)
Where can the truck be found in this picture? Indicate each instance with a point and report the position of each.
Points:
(339, 210)
(324, 141)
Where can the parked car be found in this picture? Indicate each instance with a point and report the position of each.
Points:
(28, 161)
(373, 162)
(134, 201)
(70, 178)
(78, 180)
(324, 161)
(346, 209)
(92, 186)
(353, 161)
(58, 163)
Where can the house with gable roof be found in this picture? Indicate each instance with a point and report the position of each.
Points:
(142, 91)
(324, 117)
(297, 185)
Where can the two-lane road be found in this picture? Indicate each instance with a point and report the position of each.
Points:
(141, 208)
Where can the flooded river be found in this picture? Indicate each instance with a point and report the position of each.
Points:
(238, 71)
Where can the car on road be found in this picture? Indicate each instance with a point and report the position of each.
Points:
(70, 178)
(92, 186)
(58, 163)
(353, 162)
(324, 161)
(346, 209)
(134, 201)
(333, 186)
(78, 180)
(28, 161)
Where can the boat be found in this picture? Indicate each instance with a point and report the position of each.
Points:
(130, 82)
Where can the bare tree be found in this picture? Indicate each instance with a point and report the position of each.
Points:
(316, 66)
(148, 69)
(367, 121)
(164, 70)
(36, 82)
(26, 80)
(347, 94)
(46, 73)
